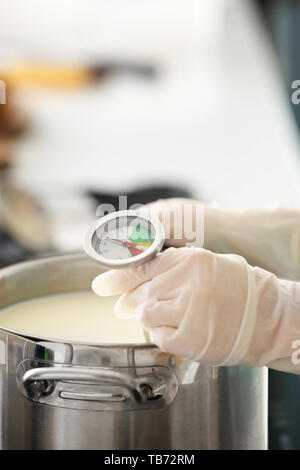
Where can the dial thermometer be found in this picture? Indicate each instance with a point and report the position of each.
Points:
(124, 239)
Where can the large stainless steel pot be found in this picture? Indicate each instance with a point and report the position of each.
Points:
(56, 395)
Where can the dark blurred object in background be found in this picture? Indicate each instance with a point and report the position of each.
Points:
(13, 124)
(25, 229)
(140, 195)
(22, 222)
(282, 18)
(284, 411)
(13, 120)
(11, 251)
(6, 151)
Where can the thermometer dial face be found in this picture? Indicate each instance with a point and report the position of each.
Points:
(124, 239)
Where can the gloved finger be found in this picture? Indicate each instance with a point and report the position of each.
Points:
(162, 337)
(154, 313)
(126, 305)
(116, 282)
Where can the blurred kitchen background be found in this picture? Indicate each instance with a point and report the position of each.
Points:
(146, 98)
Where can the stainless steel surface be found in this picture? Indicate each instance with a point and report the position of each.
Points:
(50, 375)
(48, 383)
(56, 395)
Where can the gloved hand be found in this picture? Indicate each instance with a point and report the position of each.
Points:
(266, 238)
(211, 308)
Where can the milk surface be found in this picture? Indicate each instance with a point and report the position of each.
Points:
(78, 316)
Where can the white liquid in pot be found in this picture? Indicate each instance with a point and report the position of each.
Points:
(78, 316)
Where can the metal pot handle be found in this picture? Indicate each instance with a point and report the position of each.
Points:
(41, 380)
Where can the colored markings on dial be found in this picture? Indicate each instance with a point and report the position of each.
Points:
(139, 240)
(132, 247)
(141, 236)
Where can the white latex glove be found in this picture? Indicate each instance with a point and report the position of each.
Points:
(266, 238)
(211, 308)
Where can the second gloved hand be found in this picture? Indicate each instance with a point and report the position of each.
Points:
(215, 309)
(193, 302)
